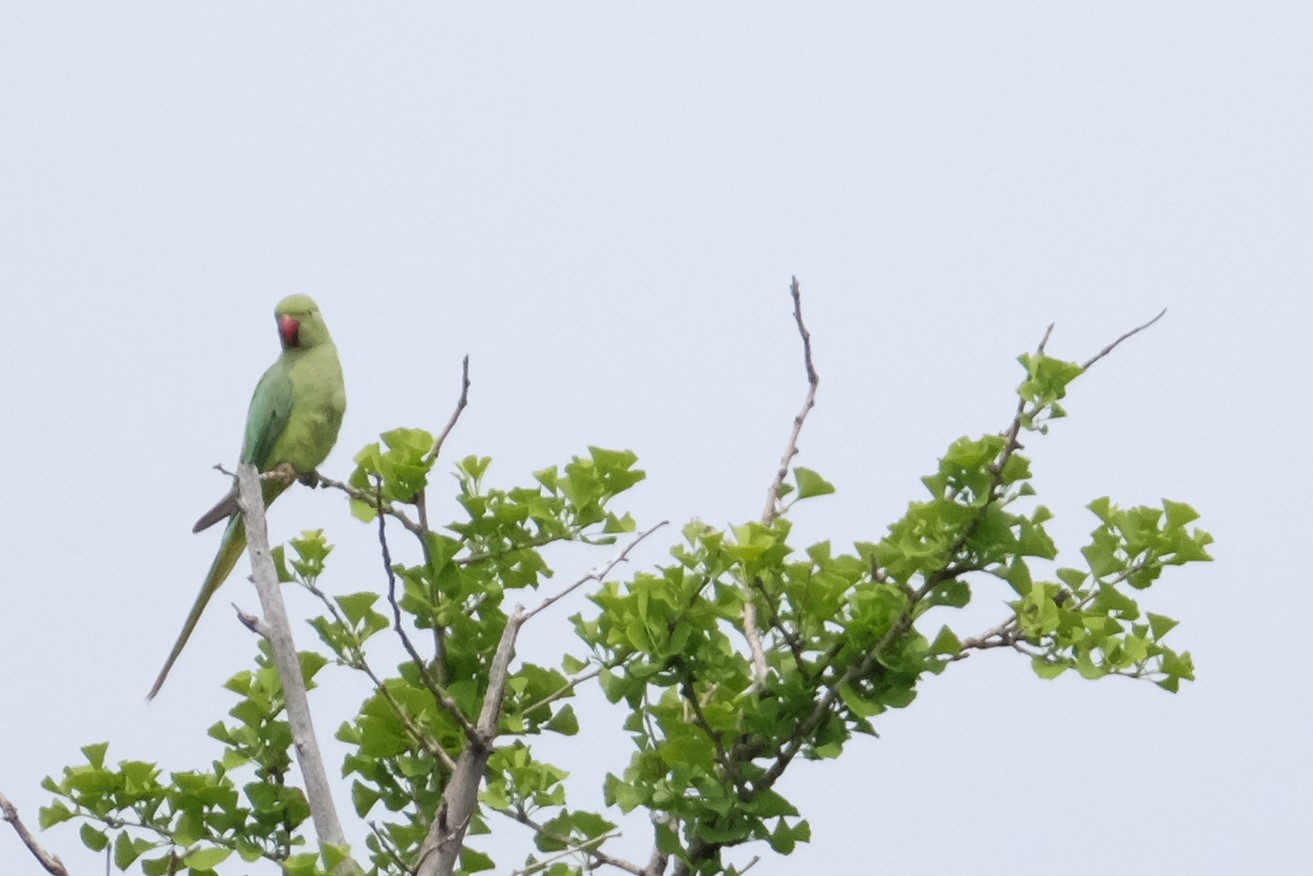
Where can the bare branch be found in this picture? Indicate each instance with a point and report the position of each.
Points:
(598, 574)
(444, 700)
(317, 790)
(572, 846)
(773, 510)
(252, 622)
(461, 403)
(50, 862)
(564, 689)
(373, 502)
(1108, 349)
(813, 381)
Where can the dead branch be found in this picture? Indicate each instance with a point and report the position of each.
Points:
(49, 862)
(461, 403)
(813, 381)
(1108, 349)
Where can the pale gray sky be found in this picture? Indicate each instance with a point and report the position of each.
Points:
(603, 204)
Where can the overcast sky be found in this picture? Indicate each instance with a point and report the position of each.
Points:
(602, 204)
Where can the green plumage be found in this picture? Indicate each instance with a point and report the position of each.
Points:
(292, 422)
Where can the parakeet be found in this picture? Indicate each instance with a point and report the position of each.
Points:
(292, 422)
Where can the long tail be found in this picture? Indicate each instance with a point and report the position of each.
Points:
(230, 550)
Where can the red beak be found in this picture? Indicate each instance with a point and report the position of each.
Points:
(288, 329)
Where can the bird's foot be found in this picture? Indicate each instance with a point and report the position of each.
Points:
(284, 472)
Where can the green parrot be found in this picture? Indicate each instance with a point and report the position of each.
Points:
(291, 426)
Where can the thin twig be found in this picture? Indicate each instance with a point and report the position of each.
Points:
(1108, 349)
(359, 663)
(455, 415)
(421, 499)
(50, 862)
(251, 622)
(813, 381)
(443, 699)
(564, 689)
(372, 502)
(772, 512)
(700, 718)
(598, 574)
(574, 846)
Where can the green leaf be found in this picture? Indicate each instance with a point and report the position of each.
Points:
(810, 483)
(474, 861)
(334, 855)
(1160, 624)
(860, 706)
(946, 643)
(95, 754)
(125, 851)
(48, 816)
(1179, 514)
(1045, 669)
(206, 858)
(356, 605)
(303, 864)
(94, 839)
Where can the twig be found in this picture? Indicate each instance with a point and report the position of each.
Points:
(455, 415)
(443, 699)
(50, 862)
(371, 501)
(574, 847)
(773, 510)
(421, 498)
(1108, 349)
(722, 756)
(252, 622)
(813, 380)
(359, 663)
(597, 574)
(317, 790)
(564, 689)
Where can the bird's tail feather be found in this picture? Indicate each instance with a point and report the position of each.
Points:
(230, 550)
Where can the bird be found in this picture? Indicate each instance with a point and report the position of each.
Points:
(291, 426)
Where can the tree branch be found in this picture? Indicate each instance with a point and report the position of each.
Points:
(813, 381)
(461, 403)
(444, 701)
(1108, 349)
(572, 846)
(50, 862)
(598, 574)
(318, 793)
(773, 511)
(359, 662)
(373, 502)
(441, 848)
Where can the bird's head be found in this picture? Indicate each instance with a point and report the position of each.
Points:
(299, 324)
